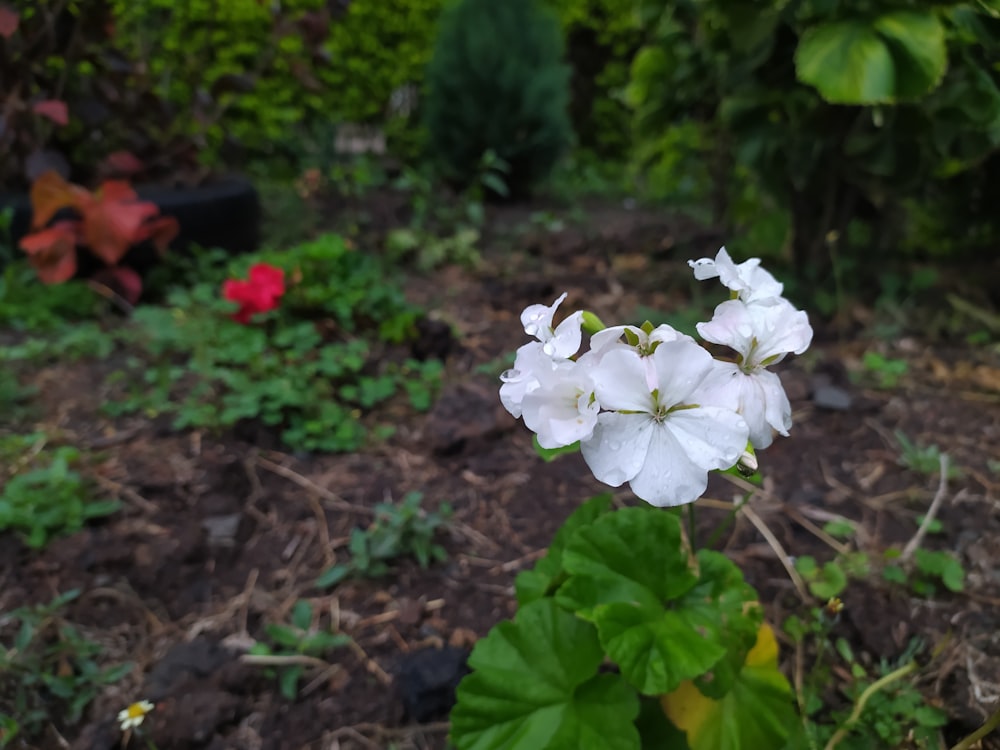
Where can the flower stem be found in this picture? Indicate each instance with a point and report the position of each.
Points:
(862, 701)
(988, 726)
(692, 526)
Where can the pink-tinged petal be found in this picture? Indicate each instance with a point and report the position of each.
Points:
(681, 366)
(618, 448)
(620, 382)
(669, 477)
(712, 437)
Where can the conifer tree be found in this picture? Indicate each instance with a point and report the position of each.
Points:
(496, 82)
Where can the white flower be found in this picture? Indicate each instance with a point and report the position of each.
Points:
(606, 339)
(562, 408)
(660, 440)
(132, 717)
(561, 342)
(751, 282)
(554, 345)
(522, 378)
(761, 334)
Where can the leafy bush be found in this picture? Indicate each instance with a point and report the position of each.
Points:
(602, 37)
(496, 85)
(79, 104)
(837, 113)
(403, 530)
(310, 369)
(274, 72)
(43, 495)
(50, 672)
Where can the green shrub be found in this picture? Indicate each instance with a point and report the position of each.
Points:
(496, 84)
(277, 72)
(602, 37)
(831, 113)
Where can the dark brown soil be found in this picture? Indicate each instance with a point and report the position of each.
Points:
(220, 536)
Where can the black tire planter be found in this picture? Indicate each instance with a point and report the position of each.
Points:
(224, 213)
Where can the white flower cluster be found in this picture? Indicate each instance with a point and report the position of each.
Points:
(650, 406)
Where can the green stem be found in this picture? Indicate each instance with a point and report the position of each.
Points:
(692, 526)
(990, 725)
(725, 523)
(880, 683)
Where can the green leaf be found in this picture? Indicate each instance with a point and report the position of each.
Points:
(756, 713)
(897, 56)
(302, 613)
(657, 649)
(632, 555)
(551, 454)
(917, 42)
(535, 583)
(630, 575)
(535, 687)
(332, 576)
(288, 681)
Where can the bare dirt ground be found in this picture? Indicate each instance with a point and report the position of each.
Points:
(221, 535)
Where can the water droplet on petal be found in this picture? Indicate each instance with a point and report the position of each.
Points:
(508, 376)
(549, 349)
(531, 329)
(614, 445)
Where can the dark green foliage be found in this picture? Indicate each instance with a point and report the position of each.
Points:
(496, 84)
(856, 125)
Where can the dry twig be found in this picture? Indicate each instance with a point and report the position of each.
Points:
(918, 538)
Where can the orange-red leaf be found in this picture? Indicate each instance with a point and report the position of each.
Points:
(110, 228)
(9, 20)
(116, 191)
(55, 109)
(51, 193)
(52, 252)
(123, 163)
(161, 231)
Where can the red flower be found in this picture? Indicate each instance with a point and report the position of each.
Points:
(258, 294)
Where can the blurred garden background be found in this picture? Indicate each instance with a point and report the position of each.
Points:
(261, 264)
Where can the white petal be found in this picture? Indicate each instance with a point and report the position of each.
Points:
(620, 382)
(566, 338)
(522, 378)
(537, 319)
(704, 268)
(618, 448)
(559, 410)
(668, 477)
(778, 411)
(680, 366)
(712, 437)
(732, 325)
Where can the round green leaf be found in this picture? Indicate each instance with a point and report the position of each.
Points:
(535, 686)
(917, 42)
(541, 580)
(756, 713)
(899, 55)
(657, 649)
(634, 554)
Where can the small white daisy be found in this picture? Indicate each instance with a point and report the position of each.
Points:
(133, 716)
